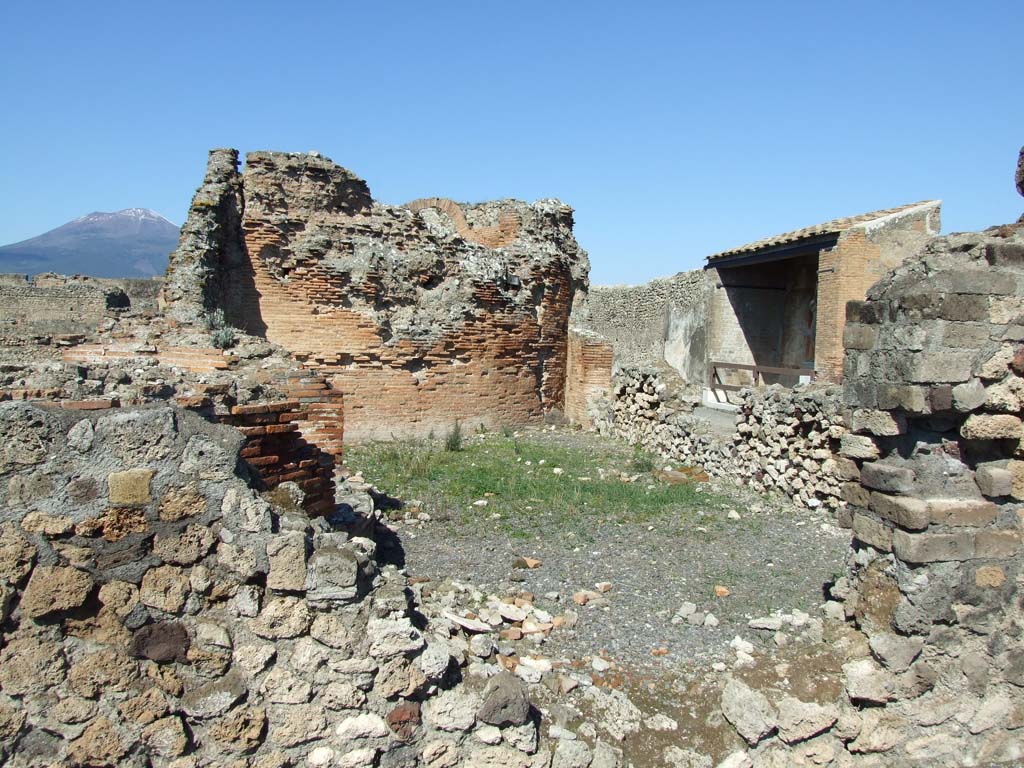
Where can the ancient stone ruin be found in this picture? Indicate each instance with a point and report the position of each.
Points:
(190, 577)
(419, 315)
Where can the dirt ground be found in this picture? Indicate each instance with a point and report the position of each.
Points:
(734, 555)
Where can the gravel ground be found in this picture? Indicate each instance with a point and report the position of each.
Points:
(768, 554)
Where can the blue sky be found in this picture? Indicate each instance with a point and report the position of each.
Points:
(674, 129)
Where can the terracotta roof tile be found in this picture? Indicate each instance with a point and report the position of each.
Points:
(834, 226)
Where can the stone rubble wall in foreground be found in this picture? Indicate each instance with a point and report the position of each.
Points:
(156, 610)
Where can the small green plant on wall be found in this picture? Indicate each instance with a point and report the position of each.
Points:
(222, 334)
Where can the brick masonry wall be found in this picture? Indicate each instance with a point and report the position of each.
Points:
(733, 341)
(862, 256)
(278, 450)
(588, 375)
(504, 366)
(192, 359)
(419, 315)
(500, 235)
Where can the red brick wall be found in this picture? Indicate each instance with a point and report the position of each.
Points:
(504, 364)
(503, 234)
(588, 375)
(280, 450)
(860, 259)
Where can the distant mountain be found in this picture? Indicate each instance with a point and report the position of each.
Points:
(135, 242)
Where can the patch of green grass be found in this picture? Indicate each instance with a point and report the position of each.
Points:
(532, 484)
(641, 461)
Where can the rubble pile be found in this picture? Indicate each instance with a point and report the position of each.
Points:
(784, 439)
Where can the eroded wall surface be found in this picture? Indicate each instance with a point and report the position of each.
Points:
(36, 310)
(661, 321)
(420, 315)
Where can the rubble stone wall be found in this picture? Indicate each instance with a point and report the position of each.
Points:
(419, 315)
(784, 440)
(44, 306)
(934, 377)
(663, 320)
(154, 607)
(291, 419)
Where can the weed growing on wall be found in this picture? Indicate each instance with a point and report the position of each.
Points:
(222, 334)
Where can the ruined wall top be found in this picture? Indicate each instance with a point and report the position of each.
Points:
(310, 213)
(291, 184)
(936, 320)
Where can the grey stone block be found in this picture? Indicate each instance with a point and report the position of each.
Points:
(932, 547)
(885, 477)
(858, 447)
(859, 336)
(938, 367)
(875, 422)
(969, 396)
(994, 480)
(871, 531)
(904, 511)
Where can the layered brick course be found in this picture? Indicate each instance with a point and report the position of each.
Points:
(281, 450)
(419, 315)
(194, 359)
(589, 376)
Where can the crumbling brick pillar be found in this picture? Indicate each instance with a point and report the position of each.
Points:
(210, 248)
(588, 375)
(934, 374)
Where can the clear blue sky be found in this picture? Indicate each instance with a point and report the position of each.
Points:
(674, 129)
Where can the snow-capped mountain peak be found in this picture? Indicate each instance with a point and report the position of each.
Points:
(137, 214)
(131, 242)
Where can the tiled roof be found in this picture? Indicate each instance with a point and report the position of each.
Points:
(827, 228)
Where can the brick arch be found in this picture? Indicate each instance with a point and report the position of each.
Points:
(501, 235)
